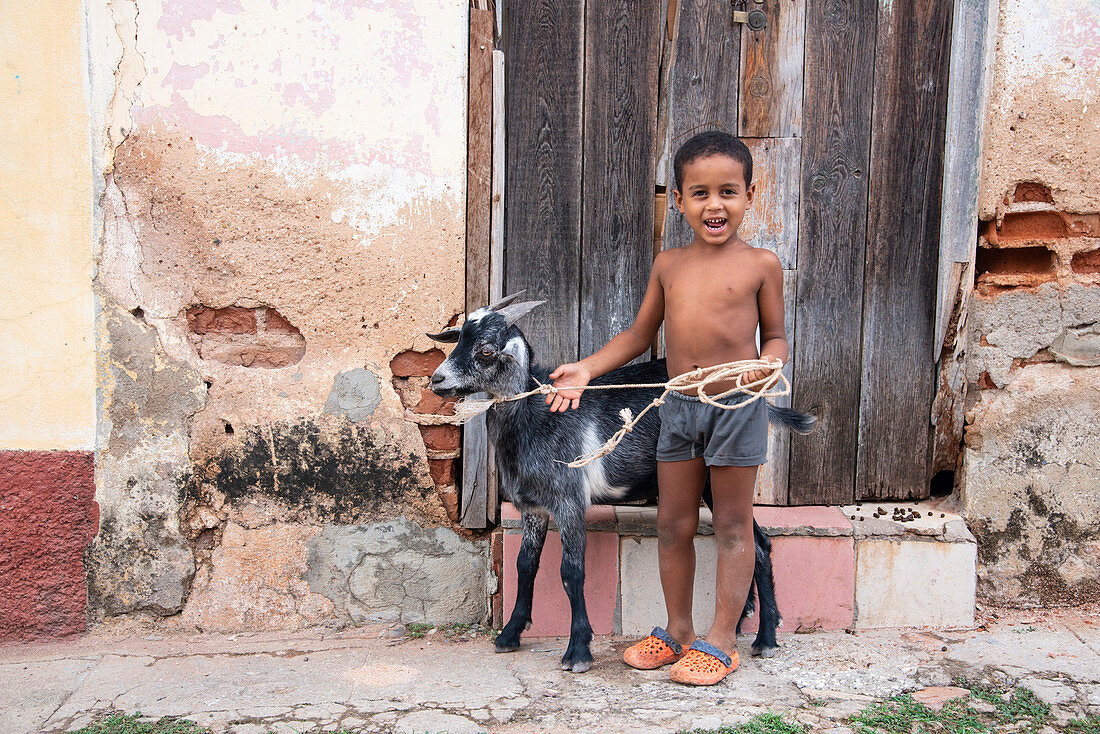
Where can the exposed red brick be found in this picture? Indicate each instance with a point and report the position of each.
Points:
(275, 357)
(1086, 262)
(416, 364)
(275, 321)
(986, 382)
(48, 515)
(231, 320)
(442, 471)
(1035, 261)
(432, 404)
(440, 438)
(449, 497)
(1032, 191)
(1033, 226)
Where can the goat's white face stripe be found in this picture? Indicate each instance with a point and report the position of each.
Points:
(515, 349)
(478, 314)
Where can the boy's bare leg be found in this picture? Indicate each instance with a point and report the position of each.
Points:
(681, 488)
(732, 487)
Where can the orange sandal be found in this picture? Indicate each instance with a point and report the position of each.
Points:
(703, 665)
(657, 649)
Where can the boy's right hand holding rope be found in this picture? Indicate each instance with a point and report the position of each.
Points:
(571, 374)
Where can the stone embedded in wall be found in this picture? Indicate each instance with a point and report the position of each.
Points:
(140, 560)
(354, 394)
(1031, 468)
(47, 519)
(1079, 345)
(245, 337)
(400, 571)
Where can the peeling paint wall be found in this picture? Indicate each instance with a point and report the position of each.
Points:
(281, 196)
(1031, 461)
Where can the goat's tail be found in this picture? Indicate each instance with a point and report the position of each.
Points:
(796, 420)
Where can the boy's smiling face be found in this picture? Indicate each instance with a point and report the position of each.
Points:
(714, 198)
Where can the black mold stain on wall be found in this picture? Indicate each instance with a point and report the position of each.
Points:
(1043, 540)
(323, 470)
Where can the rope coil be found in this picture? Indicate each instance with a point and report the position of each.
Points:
(774, 385)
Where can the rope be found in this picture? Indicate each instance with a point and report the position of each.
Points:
(773, 385)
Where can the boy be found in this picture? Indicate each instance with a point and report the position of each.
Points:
(711, 295)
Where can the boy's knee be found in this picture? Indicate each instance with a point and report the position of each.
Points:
(676, 529)
(732, 534)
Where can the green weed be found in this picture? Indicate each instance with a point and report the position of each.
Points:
(902, 715)
(762, 724)
(119, 723)
(1087, 725)
(1021, 704)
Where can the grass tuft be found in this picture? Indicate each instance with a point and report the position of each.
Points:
(119, 723)
(1087, 725)
(762, 724)
(902, 715)
(1021, 704)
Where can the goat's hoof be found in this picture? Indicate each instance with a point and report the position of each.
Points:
(499, 647)
(579, 667)
(764, 652)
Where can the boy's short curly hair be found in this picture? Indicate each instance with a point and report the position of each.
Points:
(712, 142)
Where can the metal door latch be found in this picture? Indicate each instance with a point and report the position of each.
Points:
(756, 19)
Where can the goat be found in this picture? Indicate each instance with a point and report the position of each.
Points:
(532, 447)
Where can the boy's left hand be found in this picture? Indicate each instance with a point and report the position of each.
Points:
(747, 378)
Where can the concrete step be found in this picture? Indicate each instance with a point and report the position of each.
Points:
(835, 568)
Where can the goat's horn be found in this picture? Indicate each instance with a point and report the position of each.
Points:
(506, 300)
(514, 312)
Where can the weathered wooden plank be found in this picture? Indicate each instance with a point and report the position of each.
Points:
(973, 39)
(772, 220)
(770, 101)
(544, 52)
(496, 255)
(479, 156)
(621, 50)
(833, 213)
(703, 89)
(772, 479)
(475, 474)
(902, 249)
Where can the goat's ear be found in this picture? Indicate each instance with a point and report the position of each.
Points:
(514, 312)
(506, 300)
(447, 336)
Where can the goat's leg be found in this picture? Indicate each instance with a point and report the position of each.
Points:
(527, 565)
(578, 655)
(765, 644)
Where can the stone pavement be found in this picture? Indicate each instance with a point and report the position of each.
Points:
(323, 680)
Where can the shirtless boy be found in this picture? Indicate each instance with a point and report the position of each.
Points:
(711, 295)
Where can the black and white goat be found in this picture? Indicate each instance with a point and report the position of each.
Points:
(533, 447)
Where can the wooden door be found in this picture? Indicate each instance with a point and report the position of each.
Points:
(842, 103)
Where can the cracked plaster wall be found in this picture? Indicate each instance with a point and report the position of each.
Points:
(294, 158)
(1031, 461)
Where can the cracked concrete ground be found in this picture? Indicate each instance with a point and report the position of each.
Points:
(318, 680)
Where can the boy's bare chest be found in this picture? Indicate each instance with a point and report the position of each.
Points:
(714, 285)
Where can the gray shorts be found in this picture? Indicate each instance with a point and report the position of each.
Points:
(690, 428)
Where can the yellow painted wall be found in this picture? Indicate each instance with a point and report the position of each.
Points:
(47, 373)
